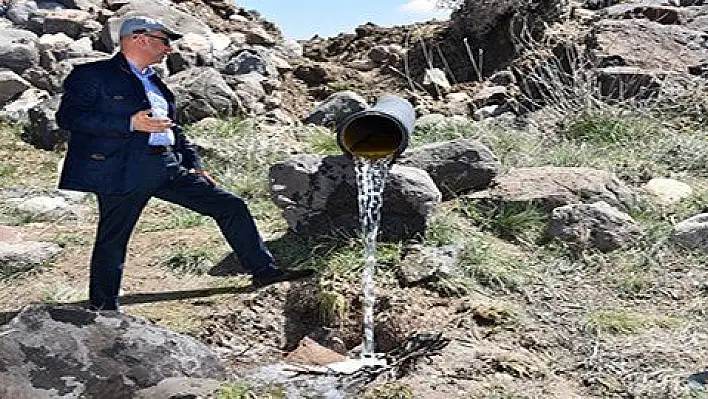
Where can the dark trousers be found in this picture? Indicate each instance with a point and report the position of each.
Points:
(164, 178)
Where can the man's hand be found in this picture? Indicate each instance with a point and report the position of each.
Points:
(142, 121)
(204, 174)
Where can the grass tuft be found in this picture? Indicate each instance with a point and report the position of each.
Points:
(195, 261)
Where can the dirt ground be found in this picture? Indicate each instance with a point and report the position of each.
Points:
(535, 342)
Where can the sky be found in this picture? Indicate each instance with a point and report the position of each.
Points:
(302, 19)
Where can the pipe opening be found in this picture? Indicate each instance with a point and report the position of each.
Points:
(373, 136)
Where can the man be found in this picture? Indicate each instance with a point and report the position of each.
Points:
(126, 147)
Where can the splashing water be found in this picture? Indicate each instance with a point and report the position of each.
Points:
(370, 181)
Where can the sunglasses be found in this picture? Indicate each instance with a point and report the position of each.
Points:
(165, 40)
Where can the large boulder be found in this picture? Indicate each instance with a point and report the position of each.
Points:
(18, 50)
(319, 197)
(72, 23)
(552, 187)
(456, 166)
(201, 92)
(66, 351)
(644, 44)
(336, 108)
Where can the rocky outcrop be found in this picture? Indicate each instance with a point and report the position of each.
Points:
(552, 187)
(64, 351)
(319, 197)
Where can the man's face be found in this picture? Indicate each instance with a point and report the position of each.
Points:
(156, 46)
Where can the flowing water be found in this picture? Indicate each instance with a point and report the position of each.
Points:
(370, 181)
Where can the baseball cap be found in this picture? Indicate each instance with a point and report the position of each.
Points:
(139, 24)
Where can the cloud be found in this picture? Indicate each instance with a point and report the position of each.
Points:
(419, 6)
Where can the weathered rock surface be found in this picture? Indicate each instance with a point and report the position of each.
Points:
(63, 351)
(552, 187)
(693, 232)
(319, 196)
(456, 166)
(667, 191)
(424, 264)
(20, 257)
(597, 225)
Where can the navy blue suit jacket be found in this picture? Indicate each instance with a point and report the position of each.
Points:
(103, 155)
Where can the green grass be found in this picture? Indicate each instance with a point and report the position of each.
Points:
(22, 164)
(341, 86)
(244, 391)
(522, 222)
(179, 218)
(66, 239)
(389, 390)
(319, 140)
(616, 321)
(483, 261)
(332, 306)
(62, 293)
(239, 154)
(600, 129)
(188, 260)
(434, 133)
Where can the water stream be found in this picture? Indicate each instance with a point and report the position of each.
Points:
(370, 181)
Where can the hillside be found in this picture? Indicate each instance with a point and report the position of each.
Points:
(564, 257)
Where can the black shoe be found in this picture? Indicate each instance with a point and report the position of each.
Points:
(281, 275)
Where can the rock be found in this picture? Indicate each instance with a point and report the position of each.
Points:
(249, 90)
(624, 82)
(180, 387)
(246, 62)
(693, 232)
(424, 264)
(485, 112)
(336, 108)
(653, 12)
(667, 191)
(43, 131)
(20, 257)
(552, 187)
(18, 50)
(19, 11)
(66, 351)
(310, 352)
(642, 43)
(259, 37)
(436, 77)
(318, 197)
(46, 208)
(494, 95)
(456, 166)
(312, 75)
(68, 22)
(201, 92)
(503, 78)
(430, 121)
(18, 110)
(596, 225)
(11, 86)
